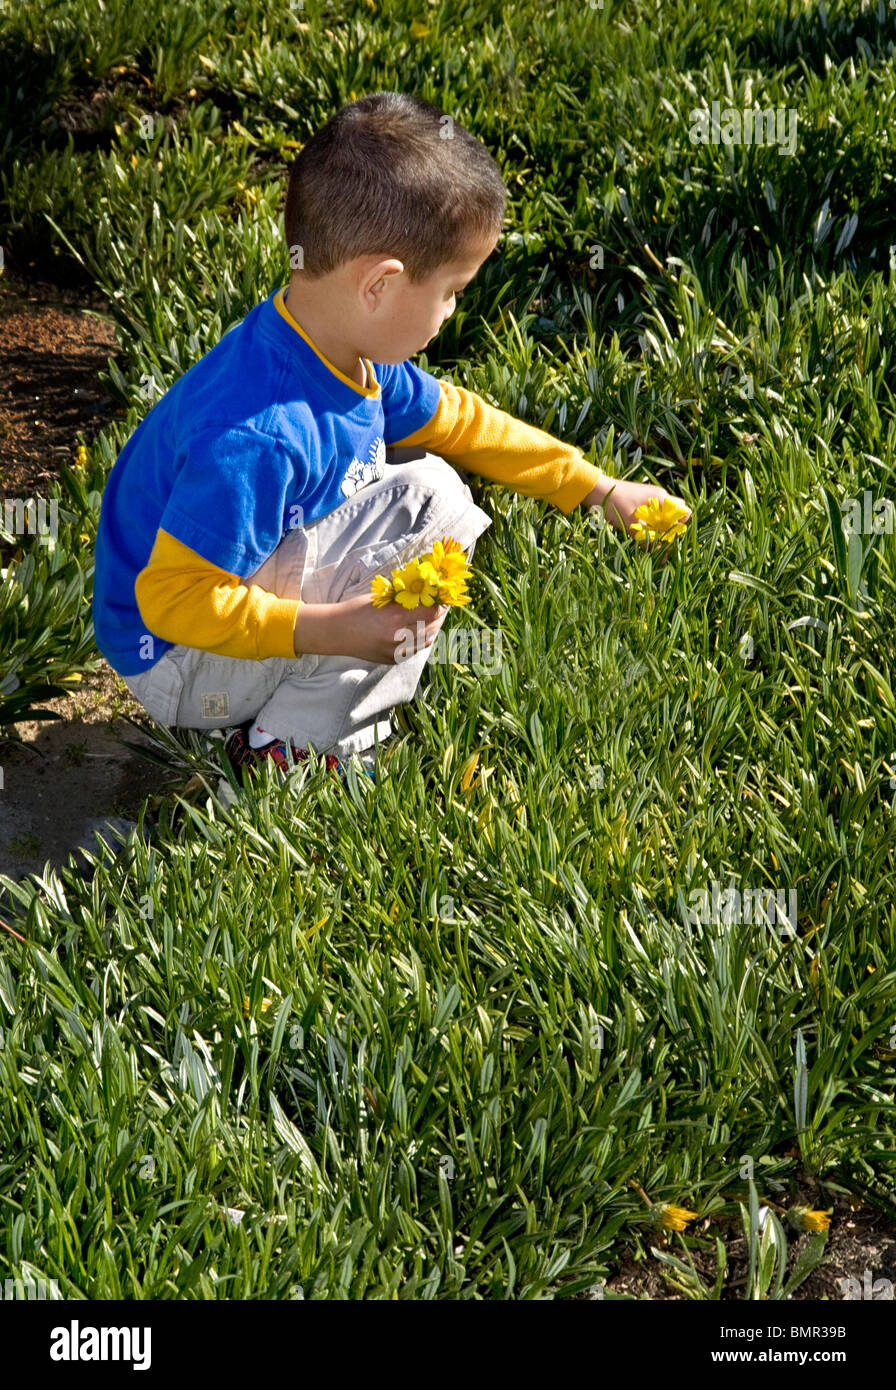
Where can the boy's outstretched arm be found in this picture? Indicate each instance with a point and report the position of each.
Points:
(468, 431)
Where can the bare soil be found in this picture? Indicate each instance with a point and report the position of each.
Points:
(53, 344)
(75, 770)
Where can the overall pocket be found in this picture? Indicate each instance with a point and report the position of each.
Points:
(159, 689)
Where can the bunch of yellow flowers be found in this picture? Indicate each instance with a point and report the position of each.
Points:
(439, 576)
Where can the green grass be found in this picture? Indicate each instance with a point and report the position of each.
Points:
(490, 1020)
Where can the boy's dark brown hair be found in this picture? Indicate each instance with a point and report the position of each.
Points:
(391, 174)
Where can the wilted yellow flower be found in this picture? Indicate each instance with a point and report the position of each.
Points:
(419, 30)
(805, 1219)
(659, 520)
(673, 1218)
(453, 593)
(383, 592)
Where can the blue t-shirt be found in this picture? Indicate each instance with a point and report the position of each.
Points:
(258, 436)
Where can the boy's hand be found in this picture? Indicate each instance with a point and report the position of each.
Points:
(620, 499)
(355, 628)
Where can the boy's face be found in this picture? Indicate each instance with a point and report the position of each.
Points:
(402, 318)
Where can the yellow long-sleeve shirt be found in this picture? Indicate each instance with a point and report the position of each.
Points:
(183, 598)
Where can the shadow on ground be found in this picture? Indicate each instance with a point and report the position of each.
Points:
(72, 773)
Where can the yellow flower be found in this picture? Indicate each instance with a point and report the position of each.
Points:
(81, 457)
(659, 520)
(805, 1219)
(448, 559)
(134, 160)
(450, 563)
(673, 1218)
(383, 592)
(453, 594)
(439, 576)
(419, 30)
(416, 583)
(265, 1004)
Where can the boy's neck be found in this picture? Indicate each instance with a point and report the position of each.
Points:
(316, 322)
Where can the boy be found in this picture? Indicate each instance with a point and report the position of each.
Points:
(246, 516)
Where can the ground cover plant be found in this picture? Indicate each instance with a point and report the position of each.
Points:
(488, 1027)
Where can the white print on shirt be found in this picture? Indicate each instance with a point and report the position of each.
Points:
(359, 474)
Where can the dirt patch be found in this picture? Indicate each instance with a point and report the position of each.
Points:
(861, 1246)
(67, 773)
(70, 772)
(52, 347)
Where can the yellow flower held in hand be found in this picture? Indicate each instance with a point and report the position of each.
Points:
(383, 592)
(439, 576)
(450, 563)
(416, 583)
(448, 559)
(453, 594)
(658, 520)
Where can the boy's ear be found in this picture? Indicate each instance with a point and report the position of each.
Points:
(373, 283)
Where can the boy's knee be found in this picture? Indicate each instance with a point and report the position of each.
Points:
(426, 470)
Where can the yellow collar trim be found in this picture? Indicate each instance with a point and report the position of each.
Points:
(372, 391)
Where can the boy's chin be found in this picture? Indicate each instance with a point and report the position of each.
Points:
(393, 357)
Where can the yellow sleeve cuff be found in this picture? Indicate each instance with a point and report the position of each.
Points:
(185, 599)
